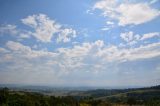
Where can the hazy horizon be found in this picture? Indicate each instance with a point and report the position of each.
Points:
(62, 87)
(78, 43)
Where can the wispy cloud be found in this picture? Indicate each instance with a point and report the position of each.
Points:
(150, 35)
(130, 38)
(8, 29)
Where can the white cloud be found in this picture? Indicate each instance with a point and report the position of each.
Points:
(129, 37)
(107, 6)
(89, 12)
(144, 52)
(103, 54)
(24, 35)
(99, 43)
(114, 53)
(12, 30)
(26, 51)
(22, 51)
(66, 34)
(8, 29)
(110, 23)
(45, 29)
(42, 66)
(136, 14)
(15, 46)
(105, 29)
(127, 13)
(150, 35)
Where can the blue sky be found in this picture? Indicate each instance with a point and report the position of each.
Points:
(80, 42)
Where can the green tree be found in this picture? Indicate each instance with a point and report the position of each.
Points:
(131, 101)
(4, 95)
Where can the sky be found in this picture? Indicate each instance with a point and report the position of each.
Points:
(101, 43)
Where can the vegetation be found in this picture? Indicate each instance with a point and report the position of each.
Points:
(130, 97)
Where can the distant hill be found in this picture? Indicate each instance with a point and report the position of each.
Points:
(108, 92)
(139, 94)
(148, 96)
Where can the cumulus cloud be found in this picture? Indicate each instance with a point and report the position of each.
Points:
(127, 13)
(129, 37)
(94, 58)
(136, 13)
(112, 53)
(66, 34)
(148, 51)
(45, 28)
(26, 51)
(96, 53)
(15, 46)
